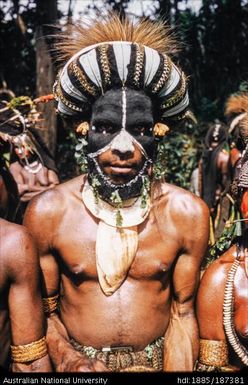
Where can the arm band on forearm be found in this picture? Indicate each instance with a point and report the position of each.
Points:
(213, 353)
(30, 352)
(50, 304)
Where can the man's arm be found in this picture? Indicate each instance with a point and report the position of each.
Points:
(223, 165)
(25, 307)
(209, 309)
(30, 184)
(42, 218)
(182, 339)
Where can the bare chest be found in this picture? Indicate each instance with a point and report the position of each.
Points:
(75, 246)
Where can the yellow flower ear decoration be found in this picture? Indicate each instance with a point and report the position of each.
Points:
(83, 128)
(160, 129)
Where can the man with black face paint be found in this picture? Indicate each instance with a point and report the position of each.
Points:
(120, 252)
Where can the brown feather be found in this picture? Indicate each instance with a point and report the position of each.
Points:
(244, 129)
(236, 104)
(153, 34)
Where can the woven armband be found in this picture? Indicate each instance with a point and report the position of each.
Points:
(213, 353)
(29, 352)
(50, 304)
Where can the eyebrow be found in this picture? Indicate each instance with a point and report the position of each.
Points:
(104, 105)
(106, 118)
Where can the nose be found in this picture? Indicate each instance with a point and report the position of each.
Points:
(123, 155)
(123, 143)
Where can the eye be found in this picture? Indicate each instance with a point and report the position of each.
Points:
(142, 130)
(103, 128)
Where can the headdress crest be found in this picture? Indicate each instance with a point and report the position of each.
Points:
(113, 53)
(236, 104)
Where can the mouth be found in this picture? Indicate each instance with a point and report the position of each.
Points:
(121, 169)
(120, 173)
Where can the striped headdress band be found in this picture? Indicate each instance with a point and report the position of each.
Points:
(100, 67)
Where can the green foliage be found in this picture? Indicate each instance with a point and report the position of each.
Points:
(80, 155)
(177, 158)
(226, 239)
(65, 158)
(117, 202)
(222, 244)
(145, 192)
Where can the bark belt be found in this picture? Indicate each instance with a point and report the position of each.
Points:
(124, 358)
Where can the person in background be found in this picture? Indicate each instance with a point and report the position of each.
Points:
(214, 165)
(29, 162)
(222, 299)
(236, 112)
(213, 177)
(22, 323)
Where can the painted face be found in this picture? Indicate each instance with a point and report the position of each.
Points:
(22, 152)
(121, 134)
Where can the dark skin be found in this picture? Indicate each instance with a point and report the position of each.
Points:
(222, 163)
(21, 315)
(3, 197)
(162, 280)
(29, 185)
(211, 294)
(222, 166)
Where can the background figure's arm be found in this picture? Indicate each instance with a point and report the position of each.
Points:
(209, 309)
(42, 224)
(223, 165)
(181, 338)
(30, 184)
(25, 307)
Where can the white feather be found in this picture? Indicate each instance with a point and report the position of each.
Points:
(171, 83)
(64, 109)
(178, 108)
(122, 56)
(90, 65)
(70, 89)
(152, 63)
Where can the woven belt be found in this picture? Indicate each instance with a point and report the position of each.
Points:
(122, 358)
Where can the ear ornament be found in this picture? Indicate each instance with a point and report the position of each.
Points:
(160, 129)
(83, 128)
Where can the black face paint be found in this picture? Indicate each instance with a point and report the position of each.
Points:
(121, 120)
(107, 120)
(106, 187)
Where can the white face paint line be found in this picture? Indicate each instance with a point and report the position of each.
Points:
(99, 152)
(124, 108)
(123, 142)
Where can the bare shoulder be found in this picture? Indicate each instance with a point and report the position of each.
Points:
(216, 273)
(12, 234)
(183, 204)
(17, 248)
(50, 205)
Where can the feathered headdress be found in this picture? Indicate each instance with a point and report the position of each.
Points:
(236, 109)
(244, 129)
(18, 118)
(114, 53)
(236, 104)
